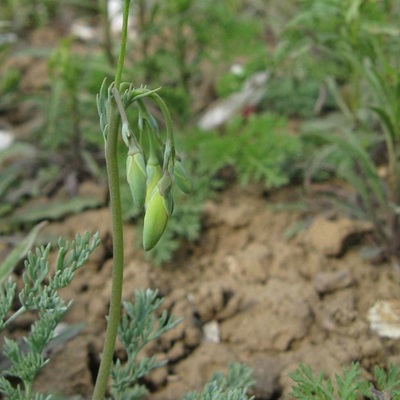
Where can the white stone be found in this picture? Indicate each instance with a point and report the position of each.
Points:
(384, 318)
(211, 332)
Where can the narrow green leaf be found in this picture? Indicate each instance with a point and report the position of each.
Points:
(386, 120)
(52, 210)
(333, 88)
(378, 85)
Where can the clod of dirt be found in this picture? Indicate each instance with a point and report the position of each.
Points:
(250, 264)
(237, 217)
(172, 336)
(266, 373)
(337, 313)
(71, 380)
(280, 314)
(186, 335)
(137, 273)
(90, 220)
(158, 377)
(192, 336)
(209, 300)
(332, 238)
(176, 352)
(191, 373)
(325, 282)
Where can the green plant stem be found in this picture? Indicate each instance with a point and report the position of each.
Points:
(118, 256)
(124, 36)
(107, 40)
(169, 158)
(145, 44)
(117, 227)
(28, 390)
(14, 316)
(181, 46)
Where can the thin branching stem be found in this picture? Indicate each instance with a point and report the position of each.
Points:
(14, 316)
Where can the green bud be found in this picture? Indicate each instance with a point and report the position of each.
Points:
(155, 219)
(136, 176)
(154, 174)
(182, 178)
(165, 184)
(169, 203)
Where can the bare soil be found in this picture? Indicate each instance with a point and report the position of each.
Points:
(245, 292)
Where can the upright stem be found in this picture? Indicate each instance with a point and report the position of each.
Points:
(28, 390)
(117, 227)
(124, 36)
(106, 32)
(145, 43)
(118, 257)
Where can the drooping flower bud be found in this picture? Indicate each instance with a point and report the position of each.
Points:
(153, 166)
(154, 174)
(136, 176)
(165, 186)
(182, 178)
(158, 209)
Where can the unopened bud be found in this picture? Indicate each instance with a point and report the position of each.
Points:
(165, 184)
(136, 176)
(182, 178)
(154, 174)
(155, 219)
(169, 203)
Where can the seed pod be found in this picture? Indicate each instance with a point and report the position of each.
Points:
(136, 176)
(155, 219)
(182, 178)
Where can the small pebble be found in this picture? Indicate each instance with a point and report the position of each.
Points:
(211, 332)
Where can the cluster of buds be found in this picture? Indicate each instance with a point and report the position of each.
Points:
(152, 166)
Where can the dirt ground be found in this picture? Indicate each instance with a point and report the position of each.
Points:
(245, 292)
